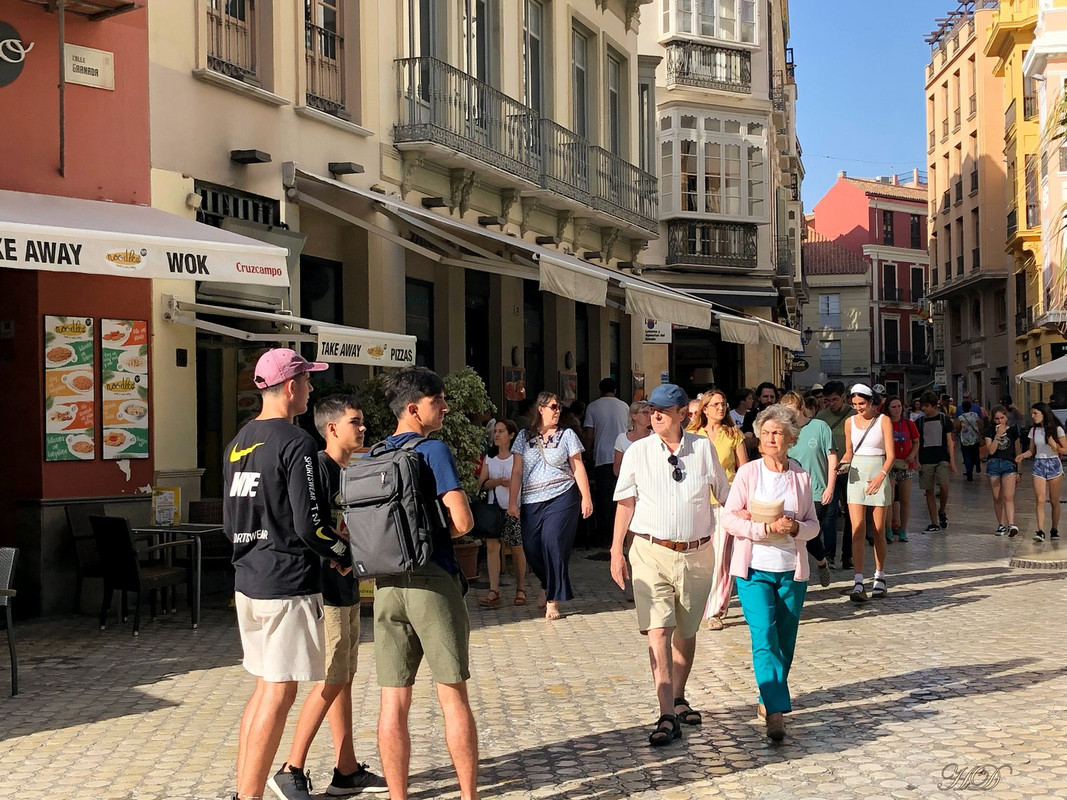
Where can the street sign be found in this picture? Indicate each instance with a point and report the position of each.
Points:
(940, 377)
(799, 365)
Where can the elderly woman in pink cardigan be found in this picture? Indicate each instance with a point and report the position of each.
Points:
(771, 513)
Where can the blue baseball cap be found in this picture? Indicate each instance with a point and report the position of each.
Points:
(667, 395)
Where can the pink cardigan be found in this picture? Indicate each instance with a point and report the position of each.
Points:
(746, 532)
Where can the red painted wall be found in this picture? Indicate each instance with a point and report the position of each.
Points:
(843, 214)
(107, 158)
(107, 135)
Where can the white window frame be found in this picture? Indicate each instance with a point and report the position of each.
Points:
(534, 32)
(830, 307)
(580, 48)
(711, 19)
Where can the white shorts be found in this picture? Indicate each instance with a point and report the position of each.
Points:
(283, 639)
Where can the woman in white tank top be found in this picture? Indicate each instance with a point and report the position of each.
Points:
(495, 478)
(869, 460)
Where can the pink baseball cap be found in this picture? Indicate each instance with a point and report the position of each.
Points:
(280, 364)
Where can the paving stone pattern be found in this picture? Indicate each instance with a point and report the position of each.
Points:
(963, 664)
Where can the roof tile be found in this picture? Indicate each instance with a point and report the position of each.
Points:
(823, 256)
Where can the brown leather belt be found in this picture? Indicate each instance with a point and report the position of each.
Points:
(678, 547)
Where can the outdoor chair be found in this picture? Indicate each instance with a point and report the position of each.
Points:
(123, 571)
(8, 558)
(215, 549)
(88, 559)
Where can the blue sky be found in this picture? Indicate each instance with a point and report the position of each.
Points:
(860, 95)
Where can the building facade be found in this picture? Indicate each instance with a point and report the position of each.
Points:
(969, 270)
(883, 222)
(730, 171)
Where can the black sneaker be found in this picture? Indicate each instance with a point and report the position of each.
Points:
(362, 780)
(294, 785)
(942, 517)
(1039, 536)
(858, 593)
(932, 528)
(1053, 533)
(1013, 531)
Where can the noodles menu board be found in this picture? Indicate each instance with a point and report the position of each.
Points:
(69, 383)
(124, 387)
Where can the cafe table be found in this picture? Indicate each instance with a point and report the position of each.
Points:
(186, 530)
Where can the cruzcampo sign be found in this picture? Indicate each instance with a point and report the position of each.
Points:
(13, 51)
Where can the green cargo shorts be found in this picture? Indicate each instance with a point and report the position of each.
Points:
(419, 614)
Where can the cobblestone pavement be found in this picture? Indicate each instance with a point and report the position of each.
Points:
(963, 664)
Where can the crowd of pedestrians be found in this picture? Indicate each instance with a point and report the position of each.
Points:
(696, 498)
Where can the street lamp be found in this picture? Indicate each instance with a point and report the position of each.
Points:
(806, 337)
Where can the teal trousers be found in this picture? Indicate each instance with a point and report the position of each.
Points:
(771, 602)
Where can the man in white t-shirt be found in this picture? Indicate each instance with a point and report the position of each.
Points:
(605, 419)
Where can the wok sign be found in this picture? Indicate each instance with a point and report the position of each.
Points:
(13, 52)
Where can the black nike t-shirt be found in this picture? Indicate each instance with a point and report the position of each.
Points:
(271, 511)
(337, 589)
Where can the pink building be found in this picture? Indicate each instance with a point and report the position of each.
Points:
(883, 220)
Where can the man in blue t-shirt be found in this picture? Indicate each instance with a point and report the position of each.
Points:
(422, 613)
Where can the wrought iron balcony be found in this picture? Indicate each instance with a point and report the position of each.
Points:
(1029, 107)
(777, 91)
(976, 259)
(946, 201)
(901, 358)
(1033, 215)
(959, 191)
(694, 243)
(1013, 220)
(784, 263)
(325, 70)
(933, 141)
(974, 181)
(1024, 321)
(896, 294)
(959, 265)
(709, 66)
(231, 40)
(445, 106)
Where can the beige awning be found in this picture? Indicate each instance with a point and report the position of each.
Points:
(738, 330)
(645, 303)
(575, 282)
(780, 335)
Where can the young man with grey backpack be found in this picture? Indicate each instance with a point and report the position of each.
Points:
(419, 610)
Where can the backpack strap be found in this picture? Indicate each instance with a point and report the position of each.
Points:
(385, 445)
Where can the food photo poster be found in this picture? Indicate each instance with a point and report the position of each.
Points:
(69, 381)
(124, 388)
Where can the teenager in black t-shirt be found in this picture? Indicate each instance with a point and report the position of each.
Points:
(1002, 446)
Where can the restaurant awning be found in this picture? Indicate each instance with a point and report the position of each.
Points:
(559, 273)
(1051, 372)
(64, 234)
(780, 335)
(337, 344)
(738, 330)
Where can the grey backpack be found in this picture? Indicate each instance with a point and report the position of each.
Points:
(390, 522)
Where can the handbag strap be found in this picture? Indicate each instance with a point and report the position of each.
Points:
(865, 432)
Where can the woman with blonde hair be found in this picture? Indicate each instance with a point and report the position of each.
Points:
(640, 427)
(712, 420)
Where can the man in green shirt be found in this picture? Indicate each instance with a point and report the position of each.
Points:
(834, 415)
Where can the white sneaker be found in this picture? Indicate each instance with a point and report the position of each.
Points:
(1002, 530)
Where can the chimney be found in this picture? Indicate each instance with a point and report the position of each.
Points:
(896, 179)
(915, 176)
(842, 174)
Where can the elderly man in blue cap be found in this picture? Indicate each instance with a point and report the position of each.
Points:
(664, 498)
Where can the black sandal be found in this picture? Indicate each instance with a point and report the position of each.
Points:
(689, 717)
(663, 735)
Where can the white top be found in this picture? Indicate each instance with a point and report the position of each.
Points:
(873, 445)
(665, 508)
(779, 556)
(622, 442)
(1041, 448)
(738, 418)
(608, 417)
(501, 468)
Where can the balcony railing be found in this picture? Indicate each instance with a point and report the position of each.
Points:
(1029, 107)
(946, 202)
(959, 191)
(624, 190)
(1013, 220)
(1033, 216)
(974, 181)
(784, 262)
(976, 259)
(903, 358)
(1024, 321)
(973, 106)
(933, 140)
(896, 294)
(959, 265)
(325, 70)
(1009, 115)
(445, 106)
(830, 320)
(709, 67)
(831, 366)
(948, 270)
(777, 91)
(231, 39)
(711, 244)
(933, 276)
(956, 120)
(944, 129)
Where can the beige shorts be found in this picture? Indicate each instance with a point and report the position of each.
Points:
(342, 643)
(283, 639)
(931, 474)
(671, 589)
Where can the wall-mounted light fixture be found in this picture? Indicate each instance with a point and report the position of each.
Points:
(249, 157)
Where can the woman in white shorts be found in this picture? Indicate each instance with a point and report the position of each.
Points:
(869, 457)
(1047, 444)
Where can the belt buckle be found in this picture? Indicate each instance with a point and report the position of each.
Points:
(681, 547)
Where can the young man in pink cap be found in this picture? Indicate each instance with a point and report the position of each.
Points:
(271, 513)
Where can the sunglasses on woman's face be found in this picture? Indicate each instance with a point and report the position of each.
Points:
(552, 406)
(677, 474)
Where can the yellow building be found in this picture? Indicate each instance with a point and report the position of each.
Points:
(1037, 338)
(969, 270)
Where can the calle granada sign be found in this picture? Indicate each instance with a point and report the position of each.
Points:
(12, 54)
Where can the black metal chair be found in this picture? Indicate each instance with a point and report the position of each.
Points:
(85, 547)
(9, 557)
(215, 549)
(123, 571)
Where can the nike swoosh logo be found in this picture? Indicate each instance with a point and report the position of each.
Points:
(321, 535)
(237, 455)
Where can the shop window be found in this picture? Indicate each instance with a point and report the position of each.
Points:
(420, 320)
